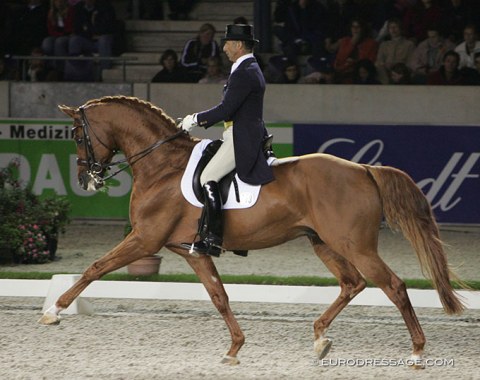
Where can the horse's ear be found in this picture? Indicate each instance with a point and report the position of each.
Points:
(70, 111)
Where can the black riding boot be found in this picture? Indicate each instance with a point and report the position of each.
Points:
(211, 230)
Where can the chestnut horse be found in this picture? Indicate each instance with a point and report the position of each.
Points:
(338, 205)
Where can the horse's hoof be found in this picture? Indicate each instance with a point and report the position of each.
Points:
(49, 319)
(322, 346)
(230, 360)
(416, 362)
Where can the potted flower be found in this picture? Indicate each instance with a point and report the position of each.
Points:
(29, 226)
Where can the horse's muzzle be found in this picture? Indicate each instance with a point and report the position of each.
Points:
(90, 181)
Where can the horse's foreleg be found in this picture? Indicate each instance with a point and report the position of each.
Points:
(207, 273)
(373, 267)
(126, 252)
(351, 283)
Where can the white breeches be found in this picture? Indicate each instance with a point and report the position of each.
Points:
(223, 162)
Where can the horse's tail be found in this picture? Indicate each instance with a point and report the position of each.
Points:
(406, 207)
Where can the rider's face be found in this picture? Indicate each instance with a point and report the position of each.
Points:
(233, 50)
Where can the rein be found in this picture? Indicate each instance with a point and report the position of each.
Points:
(95, 167)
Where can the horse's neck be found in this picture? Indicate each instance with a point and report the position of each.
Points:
(166, 160)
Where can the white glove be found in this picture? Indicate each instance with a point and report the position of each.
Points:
(188, 122)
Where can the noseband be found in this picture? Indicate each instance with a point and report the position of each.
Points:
(95, 167)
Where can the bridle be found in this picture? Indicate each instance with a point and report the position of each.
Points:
(95, 167)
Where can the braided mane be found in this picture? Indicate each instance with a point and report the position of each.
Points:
(136, 103)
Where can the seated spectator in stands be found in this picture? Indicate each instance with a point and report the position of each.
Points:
(469, 47)
(302, 29)
(214, 72)
(60, 26)
(353, 48)
(458, 14)
(38, 70)
(400, 74)
(365, 72)
(172, 71)
(321, 71)
(29, 27)
(448, 73)
(418, 17)
(340, 14)
(396, 49)
(291, 73)
(198, 50)
(94, 26)
(428, 55)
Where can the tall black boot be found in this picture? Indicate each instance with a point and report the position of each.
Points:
(211, 230)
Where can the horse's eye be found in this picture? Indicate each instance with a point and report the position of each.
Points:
(79, 140)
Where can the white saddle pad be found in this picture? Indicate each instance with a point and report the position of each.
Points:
(248, 193)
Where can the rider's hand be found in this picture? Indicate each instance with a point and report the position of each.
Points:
(188, 123)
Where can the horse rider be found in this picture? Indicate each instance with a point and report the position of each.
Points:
(242, 112)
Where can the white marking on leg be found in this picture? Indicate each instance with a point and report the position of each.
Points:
(214, 279)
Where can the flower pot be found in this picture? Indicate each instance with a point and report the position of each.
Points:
(145, 266)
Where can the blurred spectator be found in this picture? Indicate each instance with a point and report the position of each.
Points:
(321, 72)
(291, 73)
(214, 72)
(172, 71)
(38, 70)
(400, 74)
(354, 48)
(448, 73)
(396, 49)
(419, 16)
(458, 14)
(428, 55)
(93, 32)
(468, 47)
(365, 72)
(340, 14)
(301, 28)
(197, 50)
(29, 27)
(60, 26)
(274, 70)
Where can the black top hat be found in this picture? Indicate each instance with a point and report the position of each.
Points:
(239, 32)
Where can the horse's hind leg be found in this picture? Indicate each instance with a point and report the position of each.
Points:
(351, 283)
(207, 273)
(374, 269)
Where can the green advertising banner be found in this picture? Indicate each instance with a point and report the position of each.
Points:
(45, 153)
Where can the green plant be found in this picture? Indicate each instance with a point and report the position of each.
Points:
(23, 216)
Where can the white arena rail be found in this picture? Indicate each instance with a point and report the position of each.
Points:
(52, 289)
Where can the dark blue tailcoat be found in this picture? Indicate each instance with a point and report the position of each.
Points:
(243, 104)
